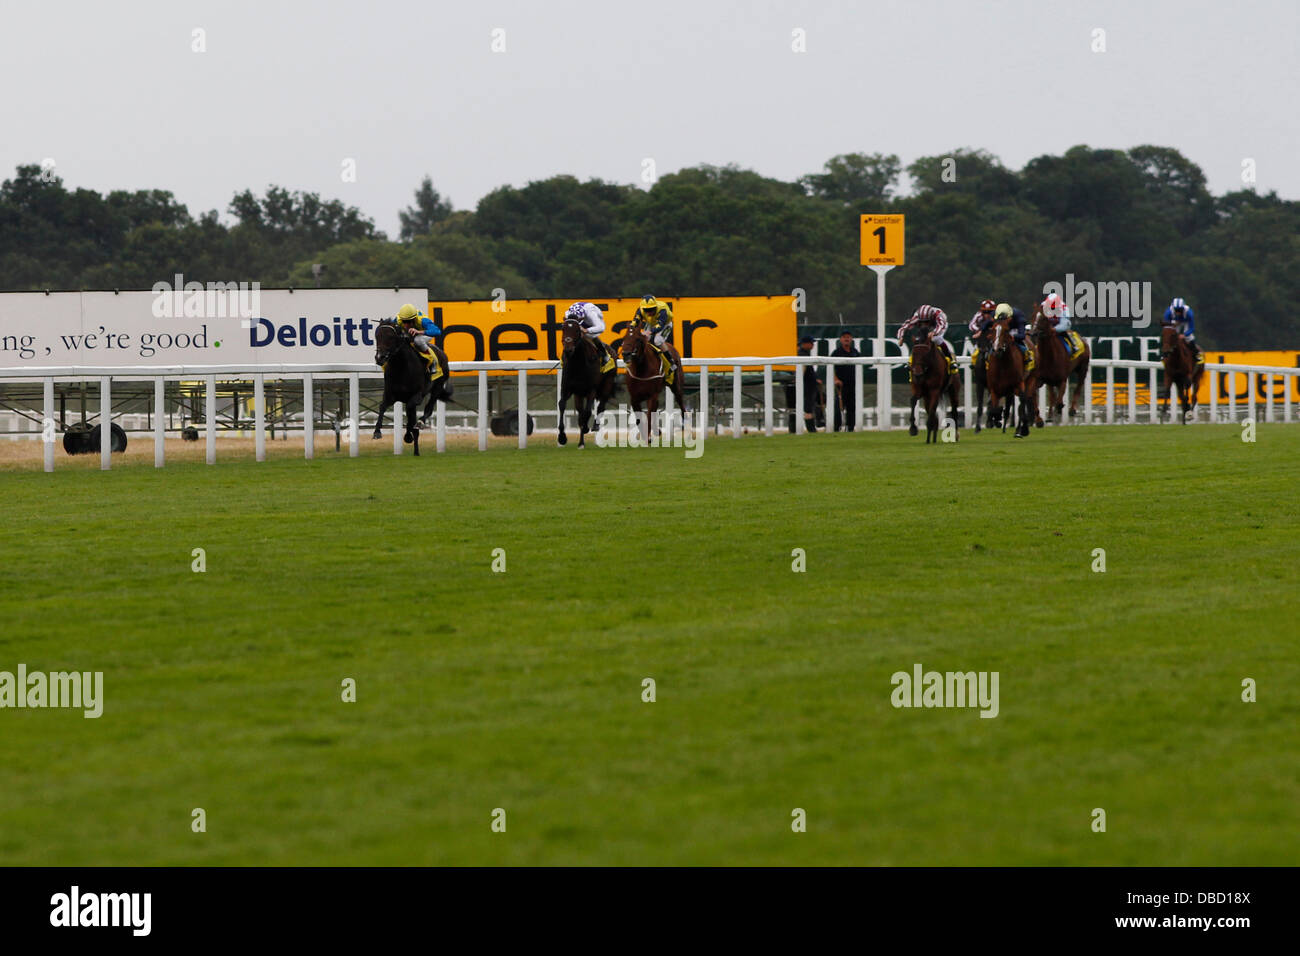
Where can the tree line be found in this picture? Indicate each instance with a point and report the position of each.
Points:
(975, 229)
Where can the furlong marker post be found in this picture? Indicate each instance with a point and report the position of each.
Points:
(884, 390)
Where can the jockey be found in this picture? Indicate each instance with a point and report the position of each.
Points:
(983, 318)
(658, 319)
(1180, 315)
(1017, 326)
(421, 328)
(929, 315)
(1055, 309)
(592, 321)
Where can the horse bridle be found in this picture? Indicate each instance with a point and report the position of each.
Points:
(383, 355)
(627, 356)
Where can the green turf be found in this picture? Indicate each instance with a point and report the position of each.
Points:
(522, 690)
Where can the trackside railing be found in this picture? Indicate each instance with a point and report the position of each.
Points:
(1126, 391)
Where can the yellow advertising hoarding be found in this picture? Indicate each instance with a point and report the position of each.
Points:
(1226, 383)
(1237, 385)
(518, 329)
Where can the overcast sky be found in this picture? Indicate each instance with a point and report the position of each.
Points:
(287, 92)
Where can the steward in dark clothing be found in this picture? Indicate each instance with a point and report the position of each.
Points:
(814, 389)
(845, 384)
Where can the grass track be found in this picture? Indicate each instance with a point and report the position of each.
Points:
(522, 690)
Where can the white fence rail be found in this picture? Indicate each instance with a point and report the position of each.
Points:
(1265, 386)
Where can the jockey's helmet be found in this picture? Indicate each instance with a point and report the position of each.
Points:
(650, 305)
(1003, 311)
(987, 305)
(408, 313)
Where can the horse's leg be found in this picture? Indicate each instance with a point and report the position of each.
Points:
(651, 409)
(979, 406)
(582, 404)
(413, 427)
(634, 415)
(563, 439)
(379, 422)
(912, 429)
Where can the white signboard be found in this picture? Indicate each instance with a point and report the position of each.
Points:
(195, 327)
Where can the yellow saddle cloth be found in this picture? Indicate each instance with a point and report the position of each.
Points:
(670, 371)
(431, 363)
(609, 363)
(1076, 344)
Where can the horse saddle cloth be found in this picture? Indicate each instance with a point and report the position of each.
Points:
(432, 364)
(1029, 360)
(666, 364)
(1075, 341)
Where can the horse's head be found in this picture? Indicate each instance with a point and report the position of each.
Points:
(632, 345)
(1041, 324)
(571, 335)
(1000, 337)
(922, 352)
(1168, 341)
(388, 339)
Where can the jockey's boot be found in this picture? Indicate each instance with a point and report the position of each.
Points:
(1197, 357)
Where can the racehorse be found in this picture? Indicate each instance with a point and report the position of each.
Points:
(1056, 369)
(581, 377)
(1181, 370)
(1006, 379)
(930, 380)
(979, 374)
(406, 379)
(645, 373)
